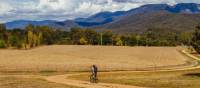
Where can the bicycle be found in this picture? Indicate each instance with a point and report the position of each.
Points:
(93, 79)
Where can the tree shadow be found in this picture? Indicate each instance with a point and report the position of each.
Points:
(192, 74)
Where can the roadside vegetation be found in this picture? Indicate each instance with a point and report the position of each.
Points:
(33, 36)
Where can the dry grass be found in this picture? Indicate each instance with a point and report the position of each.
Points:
(79, 58)
(28, 82)
(171, 79)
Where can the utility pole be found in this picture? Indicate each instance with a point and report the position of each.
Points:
(101, 39)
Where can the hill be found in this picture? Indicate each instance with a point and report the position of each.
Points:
(159, 19)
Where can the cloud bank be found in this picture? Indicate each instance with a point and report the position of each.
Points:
(68, 9)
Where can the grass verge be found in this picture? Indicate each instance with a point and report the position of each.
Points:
(171, 79)
(20, 82)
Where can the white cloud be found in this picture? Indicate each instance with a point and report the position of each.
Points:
(4, 8)
(68, 9)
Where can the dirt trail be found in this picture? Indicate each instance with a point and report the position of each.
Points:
(64, 78)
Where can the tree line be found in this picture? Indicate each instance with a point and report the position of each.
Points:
(32, 36)
(196, 39)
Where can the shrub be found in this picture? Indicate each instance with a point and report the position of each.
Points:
(2, 44)
(82, 41)
(196, 39)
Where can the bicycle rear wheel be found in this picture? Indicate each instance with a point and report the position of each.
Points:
(91, 79)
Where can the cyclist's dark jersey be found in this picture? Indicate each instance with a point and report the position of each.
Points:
(94, 70)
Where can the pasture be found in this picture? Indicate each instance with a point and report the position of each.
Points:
(79, 58)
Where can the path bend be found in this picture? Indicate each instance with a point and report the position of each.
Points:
(64, 79)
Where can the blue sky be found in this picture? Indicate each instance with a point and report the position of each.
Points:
(68, 9)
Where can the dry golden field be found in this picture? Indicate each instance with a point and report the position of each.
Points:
(79, 58)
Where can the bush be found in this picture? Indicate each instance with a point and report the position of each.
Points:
(2, 44)
(196, 39)
(82, 41)
(196, 46)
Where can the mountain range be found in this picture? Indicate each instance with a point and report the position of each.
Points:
(180, 17)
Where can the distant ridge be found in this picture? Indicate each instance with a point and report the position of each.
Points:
(160, 19)
(183, 15)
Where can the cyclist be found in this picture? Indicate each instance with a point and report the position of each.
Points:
(94, 71)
